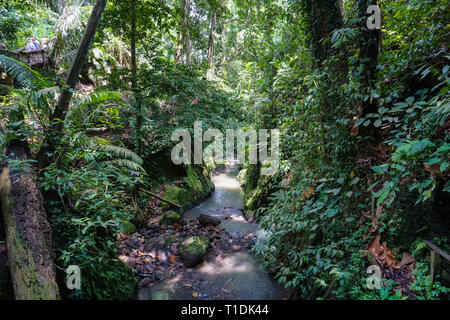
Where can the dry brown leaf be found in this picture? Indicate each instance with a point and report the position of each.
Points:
(434, 169)
(354, 132)
(195, 101)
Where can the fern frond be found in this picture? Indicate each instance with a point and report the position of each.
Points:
(23, 74)
(98, 97)
(119, 152)
(95, 98)
(2, 141)
(41, 98)
(123, 163)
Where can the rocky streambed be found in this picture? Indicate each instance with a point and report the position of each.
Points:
(203, 255)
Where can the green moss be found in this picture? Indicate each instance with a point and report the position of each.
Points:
(162, 242)
(257, 189)
(193, 188)
(29, 284)
(193, 249)
(169, 217)
(128, 227)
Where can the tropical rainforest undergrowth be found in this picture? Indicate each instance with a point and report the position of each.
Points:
(363, 115)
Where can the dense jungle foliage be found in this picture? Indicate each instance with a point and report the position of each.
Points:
(363, 116)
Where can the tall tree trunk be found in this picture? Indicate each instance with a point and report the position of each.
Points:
(28, 232)
(179, 52)
(212, 30)
(188, 32)
(137, 100)
(322, 17)
(58, 116)
(368, 56)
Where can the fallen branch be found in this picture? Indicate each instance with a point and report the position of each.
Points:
(161, 198)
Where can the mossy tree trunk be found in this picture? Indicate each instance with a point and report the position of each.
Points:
(28, 232)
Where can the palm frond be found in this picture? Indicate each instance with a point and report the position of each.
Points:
(70, 28)
(23, 74)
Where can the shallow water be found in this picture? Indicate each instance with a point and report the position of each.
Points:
(237, 275)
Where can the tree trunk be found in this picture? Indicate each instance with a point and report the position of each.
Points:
(212, 30)
(55, 131)
(28, 232)
(137, 100)
(368, 56)
(179, 52)
(322, 18)
(188, 32)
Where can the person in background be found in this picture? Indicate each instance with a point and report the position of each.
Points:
(32, 45)
(45, 43)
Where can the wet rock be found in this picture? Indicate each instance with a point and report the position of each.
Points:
(145, 282)
(169, 218)
(205, 220)
(193, 249)
(161, 247)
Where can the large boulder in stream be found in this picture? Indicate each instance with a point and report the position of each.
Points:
(169, 218)
(205, 220)
(193, 249)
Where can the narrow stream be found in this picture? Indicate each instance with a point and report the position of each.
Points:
(237, 276)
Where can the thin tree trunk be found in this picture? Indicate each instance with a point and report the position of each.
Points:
(28, 232)
(134, 88)
(188, 33)
(51, 142)
(212, 30)
(179, 52)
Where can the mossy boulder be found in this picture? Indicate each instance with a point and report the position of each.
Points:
(193, 249)
(169, 218)
(191, 189)
(128, 227)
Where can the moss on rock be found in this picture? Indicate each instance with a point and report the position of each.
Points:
(191, 189)
(169, 217)
(193, 249)
(128, 227)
